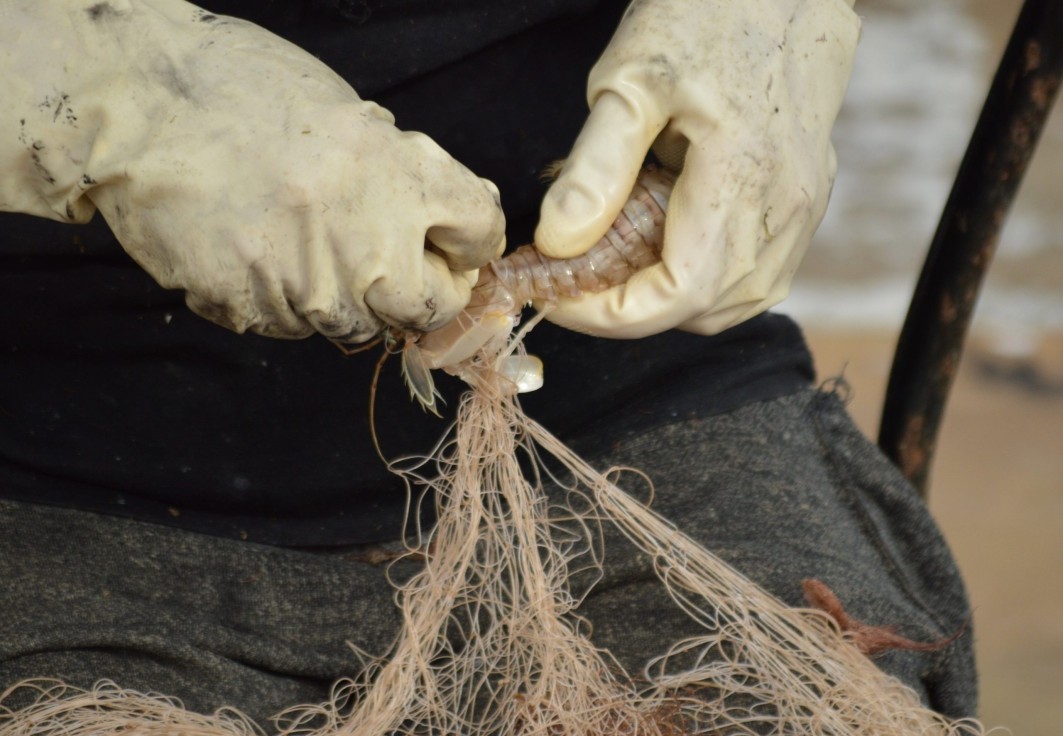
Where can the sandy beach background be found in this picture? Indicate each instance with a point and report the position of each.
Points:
(997, 484)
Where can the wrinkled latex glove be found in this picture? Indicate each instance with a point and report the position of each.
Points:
(741, 96)
(233, 165)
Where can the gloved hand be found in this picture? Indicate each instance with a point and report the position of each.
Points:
(233, 165)
(741, 96)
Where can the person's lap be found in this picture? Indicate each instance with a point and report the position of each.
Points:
(786, 490)
(212, 621)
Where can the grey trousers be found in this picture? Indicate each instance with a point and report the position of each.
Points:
(784, 490)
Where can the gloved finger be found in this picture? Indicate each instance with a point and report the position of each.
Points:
(598, 174)
(271, 308)
(711, 240)
(420, 295)
(210, 269)
(475, 234)
(345, 324)
(650, 302)
(463, 212)
(243, 316)
(324, 288)
(312, 297)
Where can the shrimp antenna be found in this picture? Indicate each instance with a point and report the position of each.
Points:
(372, 404)
(348, 351)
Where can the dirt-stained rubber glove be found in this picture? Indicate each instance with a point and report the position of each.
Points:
(740, 95)
(233, 165)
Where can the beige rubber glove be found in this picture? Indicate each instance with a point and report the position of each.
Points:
(233, 165)
(739, 94)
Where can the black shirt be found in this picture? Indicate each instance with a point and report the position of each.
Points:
(115, 398)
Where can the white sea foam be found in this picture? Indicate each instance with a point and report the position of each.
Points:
(883, 304)
(920, 78)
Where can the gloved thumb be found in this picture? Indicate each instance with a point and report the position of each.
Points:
(598, 175)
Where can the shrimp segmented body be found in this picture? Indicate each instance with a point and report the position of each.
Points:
(632, 243)
(506, 286)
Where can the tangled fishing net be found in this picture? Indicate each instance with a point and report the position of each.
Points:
(491, 643)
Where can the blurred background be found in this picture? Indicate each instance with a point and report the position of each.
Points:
(922, 72)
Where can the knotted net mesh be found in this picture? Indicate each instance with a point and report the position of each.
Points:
(491, 642)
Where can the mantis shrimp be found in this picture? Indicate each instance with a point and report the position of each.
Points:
(506, 286)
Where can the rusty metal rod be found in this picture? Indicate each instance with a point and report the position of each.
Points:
(1002, 144)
